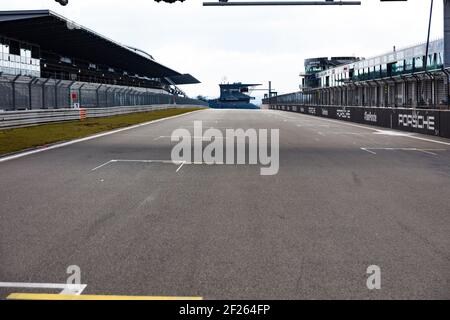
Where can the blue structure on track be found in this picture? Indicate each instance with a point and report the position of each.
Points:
(233, 96)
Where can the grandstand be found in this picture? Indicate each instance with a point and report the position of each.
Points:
(48, 61)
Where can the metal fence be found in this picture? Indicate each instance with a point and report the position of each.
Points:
(427, 90)
(25, 93)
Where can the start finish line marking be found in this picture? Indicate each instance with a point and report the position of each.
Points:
(73, 292)
(37, 296)
(67, 289)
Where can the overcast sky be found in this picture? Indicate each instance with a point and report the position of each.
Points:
(249, 44)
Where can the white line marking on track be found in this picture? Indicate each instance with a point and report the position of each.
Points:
(206, 127)
(139, 161)
(148, 161)
(427, 151)
(367, 150)
(347, 133)
(312, 125)
(181, 166)
(192, 137)
(429, 140)
(102, 165)
(392, 133)
(75, 289)
(68, 143)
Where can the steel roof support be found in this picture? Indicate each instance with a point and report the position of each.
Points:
(224, 3)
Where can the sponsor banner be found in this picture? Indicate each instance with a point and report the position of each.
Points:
(431, 122)
(444, 121)
(344, 113)
(327, 112)
(370, 117)
(416, 121)
(312, 111)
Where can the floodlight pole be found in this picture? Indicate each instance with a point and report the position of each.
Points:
(225, 3)
(428, 37)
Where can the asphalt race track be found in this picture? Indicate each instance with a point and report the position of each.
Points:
(346, 197)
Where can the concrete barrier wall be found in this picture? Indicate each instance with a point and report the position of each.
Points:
(425, 121)
(11, 119)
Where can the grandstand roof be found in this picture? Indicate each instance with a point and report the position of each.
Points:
(184, 79)
(57, 34)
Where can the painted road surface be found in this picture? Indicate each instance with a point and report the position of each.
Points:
(346, 197)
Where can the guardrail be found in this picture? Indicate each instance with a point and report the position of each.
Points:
(11, 119)
(425, 121)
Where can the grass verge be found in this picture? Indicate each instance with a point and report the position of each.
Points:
(13, 140)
